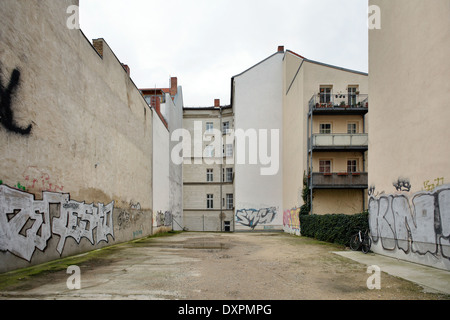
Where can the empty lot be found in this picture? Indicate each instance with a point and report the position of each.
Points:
(212, 266)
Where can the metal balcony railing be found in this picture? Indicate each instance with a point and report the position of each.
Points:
(339, 180)
(335, 140)
(338, 101)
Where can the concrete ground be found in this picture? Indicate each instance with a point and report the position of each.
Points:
(225, 266)
(430, 279)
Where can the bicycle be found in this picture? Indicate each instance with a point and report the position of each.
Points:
(361, 240)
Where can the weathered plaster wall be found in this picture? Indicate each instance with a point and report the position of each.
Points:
(408, 132)
(75, 134)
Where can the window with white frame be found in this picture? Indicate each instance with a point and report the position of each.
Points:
(229, 175)
(209, 201)
(352, 90)
(209, 151)
(229, 150)
(209, 175)
(325, 94)
(352, 165)
(325, 128)
(352, 128)
(209, 127)
(226, 127)
(229, 204)
(325, 166)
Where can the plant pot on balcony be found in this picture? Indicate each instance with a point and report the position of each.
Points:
(327, 174)
(356, 173)
(342, 173)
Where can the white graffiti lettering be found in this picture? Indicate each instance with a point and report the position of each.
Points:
(25, 222)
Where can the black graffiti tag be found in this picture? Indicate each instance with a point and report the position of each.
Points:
(6, 113)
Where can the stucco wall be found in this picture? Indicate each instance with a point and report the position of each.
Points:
(85, 160)
(258, 106)
(408, 132)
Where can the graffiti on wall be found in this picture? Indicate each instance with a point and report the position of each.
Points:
(291, 220)
(417, 224)
(163, 219)
(39, 180)
(7, 94)
(253, 217)
(27, 224)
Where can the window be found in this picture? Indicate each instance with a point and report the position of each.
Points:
(229, 175)
(352, 95)
(209, 201)
(325, 94)
(325, 128)
(325, 166)
(229, 150)
(226, 127)
(352, 128)
(209, 151)
(209, 127)
(352, 165)
(229, 201)
(209, 175)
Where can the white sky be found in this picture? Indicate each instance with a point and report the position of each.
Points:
(206, 42)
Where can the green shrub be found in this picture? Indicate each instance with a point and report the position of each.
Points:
(334, 228)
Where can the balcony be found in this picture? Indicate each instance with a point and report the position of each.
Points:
(335, 104)
(340, 142)
(341, 180)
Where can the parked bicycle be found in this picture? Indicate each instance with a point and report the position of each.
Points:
(361, 241)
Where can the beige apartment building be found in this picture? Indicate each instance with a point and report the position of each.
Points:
(409, 188)
(324, 136)
(208, 168)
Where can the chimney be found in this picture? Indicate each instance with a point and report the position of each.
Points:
(127, 69)
(98, 45)
(280, 48)
(217, 103)
(155, 102)
(173, 86)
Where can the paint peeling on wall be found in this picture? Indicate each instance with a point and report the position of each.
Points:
(417, 225)
(26, 224)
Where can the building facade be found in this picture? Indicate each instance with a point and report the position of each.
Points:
(409, 155)
(208, 168)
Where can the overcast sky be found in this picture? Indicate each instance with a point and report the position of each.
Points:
(206, 42)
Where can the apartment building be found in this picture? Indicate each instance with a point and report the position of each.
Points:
(325, 136)
(409, 188)
(167, 178)
(208, 168)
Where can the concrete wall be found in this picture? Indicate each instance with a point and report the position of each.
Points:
(161, 182)
(409, 154)
(258, 106)
(174, 110)
(78, 140)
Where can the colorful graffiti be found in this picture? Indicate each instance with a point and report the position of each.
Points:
(291, 221)
(253, 217)
(417, 224)
(26, 224)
